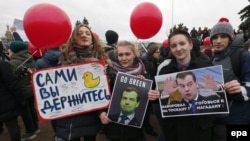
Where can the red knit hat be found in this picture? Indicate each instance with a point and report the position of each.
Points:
(224, 19)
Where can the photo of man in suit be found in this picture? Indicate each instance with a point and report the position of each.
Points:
(129, 102)
(192, 101)
(188, 88)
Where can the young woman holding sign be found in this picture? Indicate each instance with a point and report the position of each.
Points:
(82, 47)
(127, 62)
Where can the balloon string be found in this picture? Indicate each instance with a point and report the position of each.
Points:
(144, 47)
(26, 60)
(34, 52)
(40, 52)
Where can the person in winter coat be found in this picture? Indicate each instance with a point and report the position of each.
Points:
(82, 47)
(112, 39)
(151, 62)
(21, 61)
(236, 83)
(185, 127)
(129, 63)
(49, 59)
(15, 34)
(9, 100)
(196, 50)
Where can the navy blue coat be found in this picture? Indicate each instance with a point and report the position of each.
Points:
(49, 59)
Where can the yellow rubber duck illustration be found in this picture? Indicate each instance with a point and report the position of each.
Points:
(89, 81)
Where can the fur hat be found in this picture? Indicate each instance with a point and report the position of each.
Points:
(222, 28)
(111, 37)
(17, 46)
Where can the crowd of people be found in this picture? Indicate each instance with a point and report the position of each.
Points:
(185, 51)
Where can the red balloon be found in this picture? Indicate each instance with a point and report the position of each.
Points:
(37, 52)
(206, 41)
(165, 43)
(145, 20)
(96, 36)
(47, 26)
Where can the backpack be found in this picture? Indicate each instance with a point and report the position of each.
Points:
(235, 60)
(110, 51)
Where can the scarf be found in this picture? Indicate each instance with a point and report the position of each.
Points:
(138, 68)
(80, 54)
(219, 55)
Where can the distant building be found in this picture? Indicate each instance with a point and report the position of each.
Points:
(8, 36)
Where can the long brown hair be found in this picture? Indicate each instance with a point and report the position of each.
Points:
(152, 49)
(96, 43)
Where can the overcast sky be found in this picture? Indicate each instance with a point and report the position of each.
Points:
(115, 14)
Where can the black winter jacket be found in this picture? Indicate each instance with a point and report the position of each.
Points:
(9, 93)
(87, 124)
(20, 70)
(172, 125)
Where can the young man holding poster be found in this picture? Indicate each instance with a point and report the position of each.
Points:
(236, 71)
(185, 127)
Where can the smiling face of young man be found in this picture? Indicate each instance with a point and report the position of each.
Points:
(181, 48)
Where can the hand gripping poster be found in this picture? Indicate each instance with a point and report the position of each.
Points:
(129, 100)
(192, 92)
(70, 90)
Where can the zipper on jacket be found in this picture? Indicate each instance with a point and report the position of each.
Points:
(70, 128)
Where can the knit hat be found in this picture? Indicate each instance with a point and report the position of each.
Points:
(111, 37)
(222, 28)
(17, 46)
(224, 19)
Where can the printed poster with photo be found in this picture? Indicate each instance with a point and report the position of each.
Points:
(192, 92)
(129, 100)
(70, 90)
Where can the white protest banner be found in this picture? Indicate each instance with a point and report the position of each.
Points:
(70, 90)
